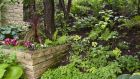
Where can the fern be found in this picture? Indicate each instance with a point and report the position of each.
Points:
(95, 33)
(85, 5)
(61, 40)
(108, 35)
(132, 22)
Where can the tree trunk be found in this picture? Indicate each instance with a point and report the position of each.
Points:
(32, 9)
(139, 7)
(62, 6)
(68, 8)
(65, 8)
(49, 13)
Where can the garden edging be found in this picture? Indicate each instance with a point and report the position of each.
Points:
(35, 63)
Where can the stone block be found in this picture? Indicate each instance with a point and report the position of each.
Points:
(35, 63)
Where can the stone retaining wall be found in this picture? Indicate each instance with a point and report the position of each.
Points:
(12, 13)
(35, 63)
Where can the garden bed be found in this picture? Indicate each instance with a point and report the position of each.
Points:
(36, 62)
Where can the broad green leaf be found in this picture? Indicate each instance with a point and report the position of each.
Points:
(124, 76)
(14, 72)
(135, 77)
(3, 66)
(137, 73)
(3, 69)
(6, 32)
(2, 37)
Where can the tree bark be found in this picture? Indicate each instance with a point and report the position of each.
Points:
(62, 6)
(32, 8)
(68, 8)
(65, 7)
(49, 13)
(139, 7)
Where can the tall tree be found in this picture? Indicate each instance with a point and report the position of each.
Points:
(65, 7)
(49, 12)
(139, 7)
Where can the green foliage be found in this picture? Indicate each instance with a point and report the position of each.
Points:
(107, 72)
(62, 40)
(106, 15)
(91, 57)
(136, 73)
(94, 65)
(124, 76)
(84, 22)
(48, 42)
(129, 63)
(94, 34)
(98, 56)
(101, 30)
(3, 69)
(10, 72)
(57, 41)
(108, 35)
(10, 31)
(83, 6)
(93, 62)
(135, 21)
(125, 7)
(64, 72)
(13, 72)
(71, 72)
(117, 52)
(123, 45)
(5, 58)
(103, 33)
(135, 77)
(9, 69)
(128, 76)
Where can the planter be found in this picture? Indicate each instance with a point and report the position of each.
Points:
(35, 63)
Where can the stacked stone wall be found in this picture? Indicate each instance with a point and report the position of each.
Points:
(35, 63)
(12, 13)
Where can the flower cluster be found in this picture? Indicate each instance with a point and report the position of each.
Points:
(14, 42)
(27, 44)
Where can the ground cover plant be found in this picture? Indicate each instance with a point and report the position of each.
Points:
(100, 52)
(104, 36)
(9, 69)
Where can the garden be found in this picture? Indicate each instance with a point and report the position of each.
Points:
(69, 39)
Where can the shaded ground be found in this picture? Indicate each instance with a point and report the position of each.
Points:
(133, 38)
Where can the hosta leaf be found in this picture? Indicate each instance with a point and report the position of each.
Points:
(124, 76)
(14, 33)
(3, 66)
(137, 73)
(6, 32)
(2, 69)
(14, 72)
(2, 37)
(135, 77)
